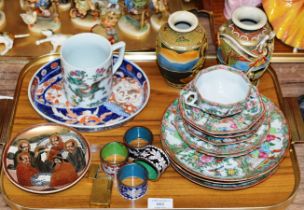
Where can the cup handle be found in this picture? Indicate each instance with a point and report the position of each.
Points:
(121, 46)
(191, 98)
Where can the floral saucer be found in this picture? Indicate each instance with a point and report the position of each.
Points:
(130, 94)
(46, 158)
(235, 125)
(222, 185)
(226, 140)
(249, 166)
(234, 149)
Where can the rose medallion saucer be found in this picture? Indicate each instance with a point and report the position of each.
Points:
(46, 158)
(221, 185)
(249, 166)
(130, 94)
(234, 125)
(230, 150)
(224, 140)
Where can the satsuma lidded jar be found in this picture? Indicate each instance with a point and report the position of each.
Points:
(180, 48)
(245, 42)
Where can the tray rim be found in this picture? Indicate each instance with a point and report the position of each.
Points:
(291, 151)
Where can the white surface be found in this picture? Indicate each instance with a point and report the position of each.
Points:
(221, 86)
(249, 13)
(160, 203)
(6, 97)
(182, 17)
(86, 50)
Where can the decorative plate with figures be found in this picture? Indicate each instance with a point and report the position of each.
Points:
(46, 158)
(130, 94)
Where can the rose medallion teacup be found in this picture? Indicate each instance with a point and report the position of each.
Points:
(219, 90)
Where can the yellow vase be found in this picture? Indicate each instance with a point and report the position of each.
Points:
(180, 48)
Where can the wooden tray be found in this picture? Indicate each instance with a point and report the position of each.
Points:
(274, 193)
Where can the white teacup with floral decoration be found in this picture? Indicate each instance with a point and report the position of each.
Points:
(219, 90)
(87, 64)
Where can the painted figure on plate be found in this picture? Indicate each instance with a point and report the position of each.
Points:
(24, 170)
(63, 172)
(75, 155)
(42, 163)
(57, 146)
(24, 146)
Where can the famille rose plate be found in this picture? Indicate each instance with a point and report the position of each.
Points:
(221, 185)
(230, 150)
(245, 167)
(235, 125)
(130, 94)
(226, 140)
(46, 158)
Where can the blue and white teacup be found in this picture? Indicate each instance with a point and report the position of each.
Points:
(132, 181)
(87, 64)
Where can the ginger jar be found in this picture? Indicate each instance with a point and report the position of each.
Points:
(180, 48)
(246, 42)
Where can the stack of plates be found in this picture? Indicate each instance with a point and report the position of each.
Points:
(228, 152)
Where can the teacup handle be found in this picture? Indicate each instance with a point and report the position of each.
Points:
(121, 46)
(191, 98)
